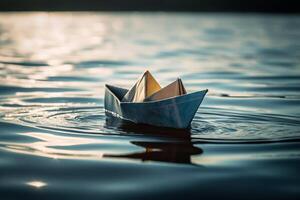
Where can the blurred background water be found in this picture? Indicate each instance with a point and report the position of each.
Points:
(55, 140)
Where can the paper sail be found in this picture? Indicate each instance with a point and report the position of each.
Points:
(172, 90)
(144, 87)
(147, 103)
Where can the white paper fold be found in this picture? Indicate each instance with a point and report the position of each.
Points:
(144, 87)
(148, 89)
(172, 90)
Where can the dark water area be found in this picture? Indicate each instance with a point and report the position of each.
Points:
(56, 141)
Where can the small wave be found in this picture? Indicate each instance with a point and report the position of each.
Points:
(26, 63)
(98, 63)
(64, 100)
(14, 89)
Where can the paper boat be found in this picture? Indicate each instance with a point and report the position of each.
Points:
(147, 103)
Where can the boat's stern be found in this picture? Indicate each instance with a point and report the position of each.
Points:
(112, 99)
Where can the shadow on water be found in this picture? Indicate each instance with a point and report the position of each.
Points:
(177, 150)
(125, 126)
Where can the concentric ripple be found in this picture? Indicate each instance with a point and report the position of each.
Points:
(209, 124)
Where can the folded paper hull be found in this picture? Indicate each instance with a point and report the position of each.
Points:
(176, 112)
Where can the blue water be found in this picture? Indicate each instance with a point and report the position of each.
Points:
(56, 142)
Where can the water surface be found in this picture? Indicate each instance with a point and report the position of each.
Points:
(56, 142)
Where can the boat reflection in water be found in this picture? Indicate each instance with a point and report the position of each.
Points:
(177, 149)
